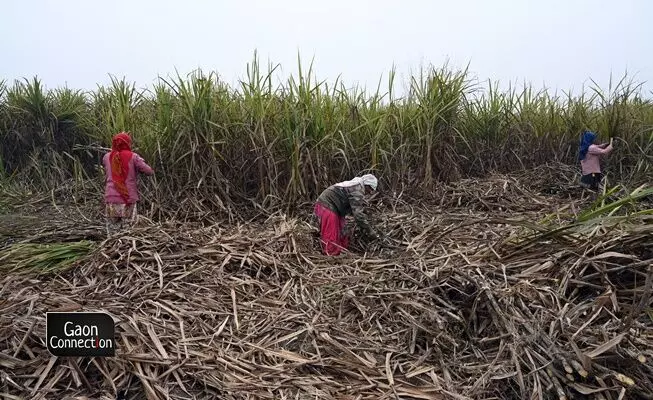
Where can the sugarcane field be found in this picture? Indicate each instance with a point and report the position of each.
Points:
(303, 241)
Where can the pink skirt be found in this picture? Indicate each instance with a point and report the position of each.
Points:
(332, 238)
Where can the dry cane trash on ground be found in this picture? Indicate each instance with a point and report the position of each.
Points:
(465, 299)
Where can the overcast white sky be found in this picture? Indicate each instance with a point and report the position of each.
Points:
(560, 43)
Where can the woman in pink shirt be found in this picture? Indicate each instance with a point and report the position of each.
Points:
(589, 156)
(121, 185)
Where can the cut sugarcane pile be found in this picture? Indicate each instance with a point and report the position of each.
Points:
(461, 303)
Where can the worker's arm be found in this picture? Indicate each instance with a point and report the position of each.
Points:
(356, 203)
(142, 166)
(600, 151)
(604, 145)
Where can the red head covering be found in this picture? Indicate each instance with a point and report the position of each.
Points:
(119, 158)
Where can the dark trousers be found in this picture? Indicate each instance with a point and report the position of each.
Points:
(591, 181)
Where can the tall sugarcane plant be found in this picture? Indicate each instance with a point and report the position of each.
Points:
(281, 140)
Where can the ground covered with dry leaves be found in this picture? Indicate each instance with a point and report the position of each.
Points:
(490, 289)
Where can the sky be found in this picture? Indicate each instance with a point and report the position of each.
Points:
(559, 44)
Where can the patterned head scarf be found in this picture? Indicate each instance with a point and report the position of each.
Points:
(585, 142)
(119, 158)
(366, 180)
